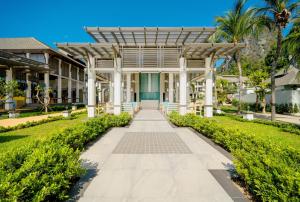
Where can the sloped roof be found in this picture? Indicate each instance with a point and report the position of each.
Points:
(291, 77)
(22, 43)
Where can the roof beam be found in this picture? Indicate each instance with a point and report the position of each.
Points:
(97, 51)
(134, 38)
(103, 36)
(156, 35)
(115, 37)
(179, 35)
(104, 49)
(88, 51)
(77, 51)
(186, 37)
(122, 36)
(145, 37)
(167, 38)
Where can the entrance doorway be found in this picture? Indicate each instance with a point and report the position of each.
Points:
(150, 90)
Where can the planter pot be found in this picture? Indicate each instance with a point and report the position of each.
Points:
(13, 114)
(248, 116)
(74, 108)
(66, 114)
(218, 111)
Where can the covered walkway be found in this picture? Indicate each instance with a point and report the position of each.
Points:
(153, 161)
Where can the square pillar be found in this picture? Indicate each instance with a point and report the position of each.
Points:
(128, 87)
(117, 86)
(84, 94)
(137, 86)
(70, 84)
(77, 86)
(171, 87)
(91, 88)
(111, 92)
(46, 78)
(208, 107)
(28, 90)
(162, 87)
(99, 92)
(182, 86)
(9, 97)
(59, 99)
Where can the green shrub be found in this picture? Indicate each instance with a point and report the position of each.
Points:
(45, 171)
(271, 171)
(287, 127)
(296, 109)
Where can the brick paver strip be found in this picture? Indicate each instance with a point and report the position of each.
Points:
(151, 143)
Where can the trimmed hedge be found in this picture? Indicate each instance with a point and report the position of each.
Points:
(46, 170)
(271, 172)
(35, 123)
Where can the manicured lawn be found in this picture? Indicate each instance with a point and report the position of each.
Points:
(14, 139)
(264, 131)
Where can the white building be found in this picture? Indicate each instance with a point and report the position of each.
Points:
(149, 66)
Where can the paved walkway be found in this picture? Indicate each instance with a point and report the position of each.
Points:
(17, 121)
(280, 117)
(152, 161)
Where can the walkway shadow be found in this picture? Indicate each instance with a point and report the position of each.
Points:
(79, 188)
(8, 138)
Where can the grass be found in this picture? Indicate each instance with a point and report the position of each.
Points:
(16, 138)
(263, 131)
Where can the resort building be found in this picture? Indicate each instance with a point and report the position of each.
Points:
(31, 62)
(150, 67)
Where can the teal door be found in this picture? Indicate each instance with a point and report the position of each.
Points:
(149, 86)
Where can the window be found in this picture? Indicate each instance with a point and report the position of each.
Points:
(53, 64)
(38, 57)
(65, 69)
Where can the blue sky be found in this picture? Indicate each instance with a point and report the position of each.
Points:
(63, 20)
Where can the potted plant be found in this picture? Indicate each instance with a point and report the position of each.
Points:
(66, 113)
(7, 90)
(248, 115)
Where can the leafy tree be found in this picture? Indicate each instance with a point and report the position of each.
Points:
(42, 95)
(235, 27)
(275, 15)
(258, 79)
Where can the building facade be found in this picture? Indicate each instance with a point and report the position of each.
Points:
(62, 74)
(149, 66)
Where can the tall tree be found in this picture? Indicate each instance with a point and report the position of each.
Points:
(292, 44)
(276, 14)
(234, 27)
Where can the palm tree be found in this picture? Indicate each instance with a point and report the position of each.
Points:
(292, 43)
(234, 27)
(275, 15)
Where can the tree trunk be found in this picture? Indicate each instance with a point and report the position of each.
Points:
(264, 104)
(256, 102)
(238, 62)
(274, 67)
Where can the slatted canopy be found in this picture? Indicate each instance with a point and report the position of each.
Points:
(146, 48)
(8, 59)
(149, 36)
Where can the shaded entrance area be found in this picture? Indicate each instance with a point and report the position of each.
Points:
(150, 90)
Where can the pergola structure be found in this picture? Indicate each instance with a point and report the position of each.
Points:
(150, 54)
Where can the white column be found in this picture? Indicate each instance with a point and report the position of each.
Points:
(208, 108)
(99, 92)
(137, 86)
(117, 86)
(171, 87)
(162, 87)
(59, 99)
(46, 77)
(9, 77)
(111, 92)
(91, 88)
(77, 86)
(70, 84)
(182, 86)
(28, 90)
(28, 82)
(128, 87)
(84, 95)
(176, 88)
